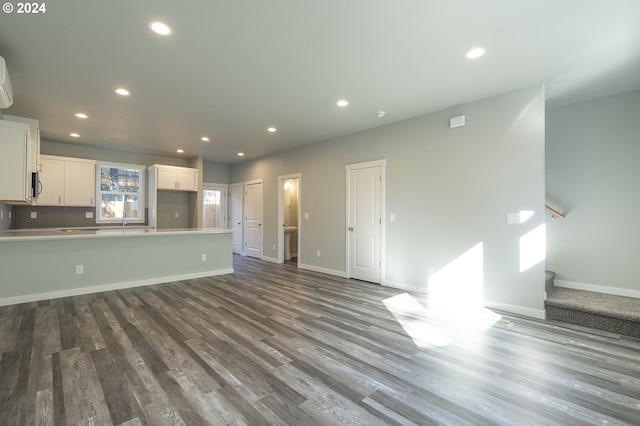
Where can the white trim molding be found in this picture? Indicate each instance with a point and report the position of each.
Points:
(405, 287)
(327, 271)
(108, 287)
(515, 309)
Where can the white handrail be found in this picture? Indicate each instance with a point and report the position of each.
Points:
(554, 213)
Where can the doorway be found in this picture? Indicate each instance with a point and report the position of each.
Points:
(289, 219)
(365, 227)
(214, 206)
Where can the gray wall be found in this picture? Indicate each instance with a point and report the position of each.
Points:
(45, 268)
(216, 172)
(99, 154)
(450, 189)
(593, 174)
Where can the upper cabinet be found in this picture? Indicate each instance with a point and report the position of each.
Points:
(67, 181)
(15, 156)
(51, 181)
(34, 139)
(172, 178)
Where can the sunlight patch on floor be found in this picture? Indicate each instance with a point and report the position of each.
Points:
(453, 312)
(430, 328)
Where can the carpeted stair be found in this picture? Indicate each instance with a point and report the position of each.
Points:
(616, 314)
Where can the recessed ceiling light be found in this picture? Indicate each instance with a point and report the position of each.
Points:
(342, 103)
(180, 151)
(205, 139)
(74, 135)
(475, 53)
(241, 154)
(81, 115)
(160, 28)
(122, 91)
(272, 129)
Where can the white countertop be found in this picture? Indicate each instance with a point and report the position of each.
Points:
(100, 232)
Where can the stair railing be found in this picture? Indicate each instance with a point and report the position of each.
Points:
(554, 213)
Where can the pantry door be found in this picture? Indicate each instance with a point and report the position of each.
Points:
(253, 219)
(365, 194)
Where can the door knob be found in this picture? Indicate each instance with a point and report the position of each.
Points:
(350, 228)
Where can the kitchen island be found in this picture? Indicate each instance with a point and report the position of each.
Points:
(51, 263)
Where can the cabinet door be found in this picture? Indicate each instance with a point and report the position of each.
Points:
(52, 181)
(79, 183)
(166, 178)
(13, 163)
(186, 180)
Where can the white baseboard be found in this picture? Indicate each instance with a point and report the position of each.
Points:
(598, 288)
(405, 287)
(270, 259)
(515, 309)
(108, 287)
(337, 273)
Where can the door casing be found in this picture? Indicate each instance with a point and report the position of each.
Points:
(280, 239)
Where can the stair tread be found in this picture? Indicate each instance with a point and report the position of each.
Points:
(622, 307)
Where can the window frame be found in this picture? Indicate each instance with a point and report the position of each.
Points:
(140, 218)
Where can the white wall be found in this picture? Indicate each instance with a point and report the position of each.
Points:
(450, 189)
(593, 174)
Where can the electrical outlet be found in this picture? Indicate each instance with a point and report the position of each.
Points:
(88, 215)
(430, 270)
(274, 247)
(34, 215)
(176, 215)
(204, 257)
(306, 215)
(318, 253)
(79, 269)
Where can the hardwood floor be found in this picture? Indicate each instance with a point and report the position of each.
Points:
(272, 344)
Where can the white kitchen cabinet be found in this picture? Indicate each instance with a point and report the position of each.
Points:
(67, 181)
(79, 183)
(172, 178)
(15, 172)
(173, 197)
(51, 181)
(34, 139)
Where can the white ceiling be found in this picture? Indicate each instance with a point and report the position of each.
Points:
(232, 68)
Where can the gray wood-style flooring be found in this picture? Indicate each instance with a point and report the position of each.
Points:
(271, 344)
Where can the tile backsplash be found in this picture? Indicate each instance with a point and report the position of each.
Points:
(51, 217)
(5, 217)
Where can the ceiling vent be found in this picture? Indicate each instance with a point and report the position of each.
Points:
(6, 93)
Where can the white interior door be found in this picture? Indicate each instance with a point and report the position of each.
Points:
(364, 223)
(236, 216)
(253, 219)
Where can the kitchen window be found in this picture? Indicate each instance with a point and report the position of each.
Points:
(120, 193)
